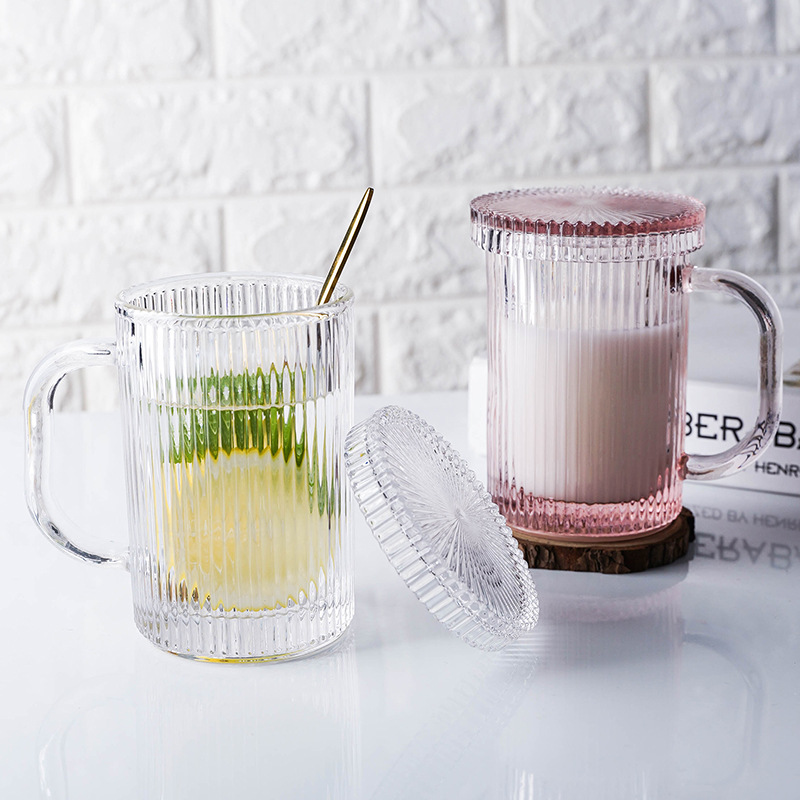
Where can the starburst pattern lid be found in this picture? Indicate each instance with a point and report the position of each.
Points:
(440, 529)
(587, 224)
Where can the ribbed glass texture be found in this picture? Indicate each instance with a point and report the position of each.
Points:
(236, 395)
(439, 528)
(587, 366)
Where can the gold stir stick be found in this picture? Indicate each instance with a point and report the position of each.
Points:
(344, 249)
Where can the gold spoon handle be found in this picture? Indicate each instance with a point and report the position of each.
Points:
(346, 246)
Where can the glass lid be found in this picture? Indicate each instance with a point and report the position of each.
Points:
(587, 224)
(440, 529)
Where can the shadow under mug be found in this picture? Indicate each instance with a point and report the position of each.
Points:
(236, 395)
(181, 732)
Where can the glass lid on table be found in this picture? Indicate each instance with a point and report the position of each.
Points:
(439, 528)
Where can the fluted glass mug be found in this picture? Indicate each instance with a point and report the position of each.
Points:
(236, 395)
(588, 322)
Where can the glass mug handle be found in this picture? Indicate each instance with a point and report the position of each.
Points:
(755, 297)
(39, 401)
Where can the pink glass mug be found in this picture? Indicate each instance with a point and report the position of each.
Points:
(588, 322)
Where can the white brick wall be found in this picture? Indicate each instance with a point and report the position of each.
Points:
(596, 30)
(153, 137)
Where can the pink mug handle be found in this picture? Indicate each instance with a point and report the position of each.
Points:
(755, 297)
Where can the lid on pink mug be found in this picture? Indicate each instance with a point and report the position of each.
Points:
(587, 224)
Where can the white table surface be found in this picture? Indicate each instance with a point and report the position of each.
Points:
(683, 682)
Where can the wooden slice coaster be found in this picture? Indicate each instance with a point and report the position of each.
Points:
(653, 549)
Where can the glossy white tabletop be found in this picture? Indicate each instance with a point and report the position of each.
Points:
(683, 682)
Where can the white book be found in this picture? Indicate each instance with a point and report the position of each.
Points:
(717, 415)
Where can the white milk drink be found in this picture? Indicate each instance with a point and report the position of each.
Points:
(598, 421)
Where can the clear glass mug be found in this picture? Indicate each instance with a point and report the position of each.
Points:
(588, 321)
(236, 395)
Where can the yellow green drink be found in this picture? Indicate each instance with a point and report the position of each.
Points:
(245, 505)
